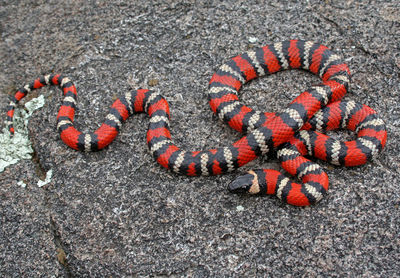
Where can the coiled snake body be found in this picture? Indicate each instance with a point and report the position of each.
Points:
(291, 132)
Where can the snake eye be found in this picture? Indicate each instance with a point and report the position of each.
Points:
(241, 184)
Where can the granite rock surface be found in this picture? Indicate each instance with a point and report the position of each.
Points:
(117, 213)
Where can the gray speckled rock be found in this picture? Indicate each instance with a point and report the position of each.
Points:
(28, 239)
(118, 213)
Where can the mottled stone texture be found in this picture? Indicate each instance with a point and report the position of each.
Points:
(118, 213)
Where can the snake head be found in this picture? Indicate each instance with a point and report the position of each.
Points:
(245, 183)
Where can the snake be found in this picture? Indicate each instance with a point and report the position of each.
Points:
(290, 135)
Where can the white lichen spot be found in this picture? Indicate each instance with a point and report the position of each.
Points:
(22, 184)
(47, 179)
(17, 147)
(253, 39)
(239, 208)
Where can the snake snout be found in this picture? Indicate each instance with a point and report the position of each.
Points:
(241, 184)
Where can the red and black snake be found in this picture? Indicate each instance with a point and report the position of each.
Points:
(289, 132)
